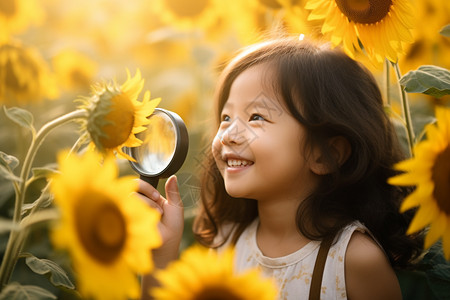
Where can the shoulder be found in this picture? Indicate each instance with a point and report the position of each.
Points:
(222, 239)
(226, 233)
(368, 273)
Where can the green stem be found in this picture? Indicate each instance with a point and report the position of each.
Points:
(35, 144)
(77, 144)
(388, 83)
(13, 246)
(25, 227)
(406, 110)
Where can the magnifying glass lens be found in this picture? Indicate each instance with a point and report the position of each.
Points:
(164, 148)
(158, 148)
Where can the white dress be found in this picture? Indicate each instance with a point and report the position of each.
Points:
(292, 273)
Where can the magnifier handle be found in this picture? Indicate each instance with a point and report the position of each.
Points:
(152, 180)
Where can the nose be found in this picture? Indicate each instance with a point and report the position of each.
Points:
(235, 134)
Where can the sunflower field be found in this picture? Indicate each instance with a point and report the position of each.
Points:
(78, 80)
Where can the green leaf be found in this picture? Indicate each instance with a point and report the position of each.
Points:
(48, 199)
(430, 80)
(7, 174)
(16, 291)
(58, 277)
(438, 270)
(445, 31)
(43, 172)
(8, 160)
(19, 116)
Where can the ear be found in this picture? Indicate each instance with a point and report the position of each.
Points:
(340, 149)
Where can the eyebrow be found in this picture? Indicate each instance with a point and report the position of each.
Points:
(227, 105)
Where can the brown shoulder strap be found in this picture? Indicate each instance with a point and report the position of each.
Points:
(316, 281)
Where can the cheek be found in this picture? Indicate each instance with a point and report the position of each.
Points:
(216, 149)
(216, 146)
(282, 153)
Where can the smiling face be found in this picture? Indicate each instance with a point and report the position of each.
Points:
(258, 147)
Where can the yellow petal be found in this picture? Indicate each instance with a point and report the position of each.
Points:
(406, 179)
(402, 11)
(314, 4)
(133, 86)
(410, 202)
(424, 216)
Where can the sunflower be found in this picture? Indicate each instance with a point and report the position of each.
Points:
(204, 274)
(429, 47)
(381, 26)
(24, 75)
(17, 15)
(296, 19)
(115, 115)
(74, 70)
(429, 171)
(434, 13)
(250, 21)
(187, 15)
(109, 232)
(242, 22)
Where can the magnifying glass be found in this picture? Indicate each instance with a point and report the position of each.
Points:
(164, 148)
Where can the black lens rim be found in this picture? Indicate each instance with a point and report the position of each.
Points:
(179, 155)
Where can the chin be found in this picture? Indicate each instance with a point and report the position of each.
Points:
(235, 192)
(238, 192)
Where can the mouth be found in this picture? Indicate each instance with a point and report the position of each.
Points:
(238, 163)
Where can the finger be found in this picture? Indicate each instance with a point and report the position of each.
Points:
(148, 190)
(172, 192)
(151, 202)
(151, 195)
(173, 217)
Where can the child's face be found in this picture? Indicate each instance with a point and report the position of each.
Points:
(258, 147)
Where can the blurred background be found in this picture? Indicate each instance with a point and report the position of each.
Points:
(52, 51)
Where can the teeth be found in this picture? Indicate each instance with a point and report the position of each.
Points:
(238, 163)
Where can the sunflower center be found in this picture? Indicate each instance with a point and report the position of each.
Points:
(187, 9)
(11, 80)
(274, 4)
(440, 174)
(101, 228)
(217, 293)
(17, 56)
(364, 11)
(120, 122)
(8, 8)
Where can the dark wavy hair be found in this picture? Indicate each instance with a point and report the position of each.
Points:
(331, 95)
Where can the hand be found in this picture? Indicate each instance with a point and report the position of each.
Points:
(172, 219)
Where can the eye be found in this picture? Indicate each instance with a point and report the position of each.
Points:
(225, 118)
(256, 117)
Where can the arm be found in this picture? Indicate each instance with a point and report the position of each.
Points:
(170, 226)
(368, 274)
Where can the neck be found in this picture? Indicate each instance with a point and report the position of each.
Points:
(277, 233)
(277, 217)
(278, 211)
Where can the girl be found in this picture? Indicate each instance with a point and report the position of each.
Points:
(301, 157)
